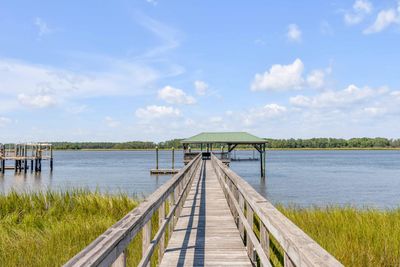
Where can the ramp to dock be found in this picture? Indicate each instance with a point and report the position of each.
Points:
(205, 233)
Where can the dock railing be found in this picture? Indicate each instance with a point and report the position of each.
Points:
(246, 204)
(109, 249)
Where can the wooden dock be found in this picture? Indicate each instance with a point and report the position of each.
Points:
(216, 219)
(198, 238)
(20, 155)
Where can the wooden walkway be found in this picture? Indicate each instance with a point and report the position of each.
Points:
(199, 206)
(205, 233)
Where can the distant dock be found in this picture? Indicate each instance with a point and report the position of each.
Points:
(25, 156)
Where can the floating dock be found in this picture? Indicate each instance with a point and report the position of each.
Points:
(164, 171)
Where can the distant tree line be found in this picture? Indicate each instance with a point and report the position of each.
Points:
(271, 143)
(334, 143)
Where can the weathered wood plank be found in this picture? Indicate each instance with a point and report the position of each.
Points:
(205, 233)
(299, 247)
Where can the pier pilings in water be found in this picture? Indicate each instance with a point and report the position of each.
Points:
(21, 154)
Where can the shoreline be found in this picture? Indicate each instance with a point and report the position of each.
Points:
(240, 149)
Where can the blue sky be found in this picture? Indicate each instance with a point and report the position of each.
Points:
(158, 69)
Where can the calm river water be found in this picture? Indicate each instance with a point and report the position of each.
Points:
(361, 178)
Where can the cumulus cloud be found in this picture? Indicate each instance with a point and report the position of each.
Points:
(384, 19)
(156, 112)
(201, 87)
(316, 79)
(173, 95)
(280, 77)
(335, 99)
(111, 122)
(269, 111)
(361, 8)
(37, 101)
(42, 86)
(4, 121)
(294, 33)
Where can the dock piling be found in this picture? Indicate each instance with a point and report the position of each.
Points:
(156, 157)
(173, 158)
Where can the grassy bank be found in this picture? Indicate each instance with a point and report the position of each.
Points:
(355, 237)
(46, 229)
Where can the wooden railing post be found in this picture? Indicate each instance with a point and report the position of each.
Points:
(161, 219)
(241, 227)
(146, 238)
(172, 221)
(264, 239)
(249, 244)
(120, 261)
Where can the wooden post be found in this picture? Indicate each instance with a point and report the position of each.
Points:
(156, 157)
(241, 227)
(171, 204)
(161, 244)
(120, 261)
(146, 238)
(249, 244)
(51, 158)
(173, 158)
(264, 239)
(26, 159)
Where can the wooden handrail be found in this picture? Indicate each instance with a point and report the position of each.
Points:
(299, 248)
(109, 248)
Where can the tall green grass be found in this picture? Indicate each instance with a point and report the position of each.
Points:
(356, 237)
(48, 228)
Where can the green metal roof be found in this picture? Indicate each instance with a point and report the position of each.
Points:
(224, 137)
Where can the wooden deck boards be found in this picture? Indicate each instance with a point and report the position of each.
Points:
(205, 234)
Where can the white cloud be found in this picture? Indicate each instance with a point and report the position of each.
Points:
(4, 121)
(269, 111)
(173, 95)
(384, 19)
(294, 33)
(37, 101)
(156, 112)
(375, 111)
(201, 87)
(396, 94)
(336, 99)
(280, 77)
(43, 29)
(168, 36)
(316, 79)
(361, 8)
(42, 86)
(216, 119)
(110, 122)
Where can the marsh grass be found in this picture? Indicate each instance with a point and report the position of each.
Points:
(356, 237)
(48, 228)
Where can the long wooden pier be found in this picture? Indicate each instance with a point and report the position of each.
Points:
(22, 154)
(207, 216)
